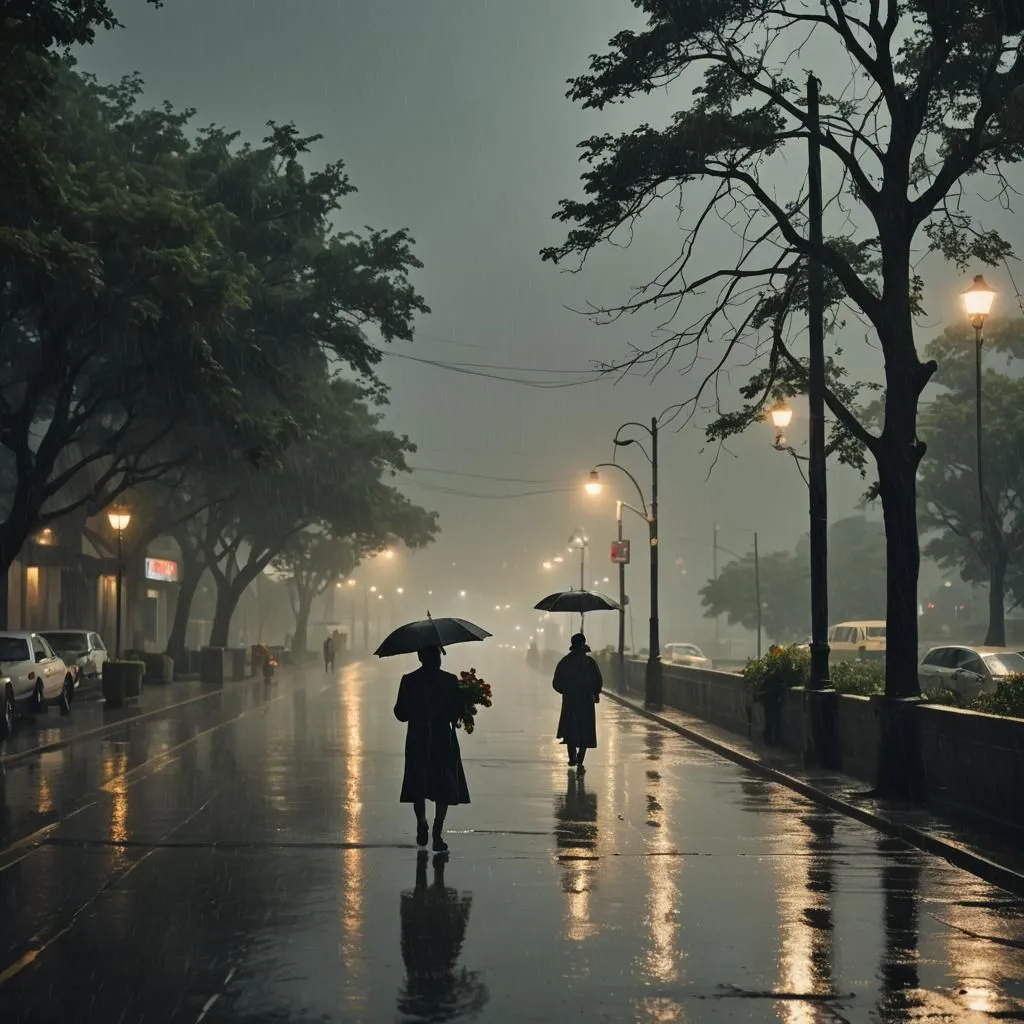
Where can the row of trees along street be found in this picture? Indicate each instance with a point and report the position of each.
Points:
(954, 532)
(916, 98)
(185, 328)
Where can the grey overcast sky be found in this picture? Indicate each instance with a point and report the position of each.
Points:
(452, 120)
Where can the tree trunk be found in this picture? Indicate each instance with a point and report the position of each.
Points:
(996, 635)
(897, 475)
(192, 573)
(229, 593)
(300, 639)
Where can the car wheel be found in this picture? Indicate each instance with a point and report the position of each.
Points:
(38, 705)
(7, 715)
(65, 696)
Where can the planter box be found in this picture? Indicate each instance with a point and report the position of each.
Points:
(240, 661)
(215, 665)
(122, 681)
(159, 668)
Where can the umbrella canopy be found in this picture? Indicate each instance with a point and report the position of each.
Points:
(428, 632)
(578, 601)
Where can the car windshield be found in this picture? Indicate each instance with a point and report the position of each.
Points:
(1004, 664)
(68, 641)
(13, 648)
(875, 632)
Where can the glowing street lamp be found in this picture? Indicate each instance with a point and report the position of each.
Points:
(119, 518)
(977, 302)
(593, 484)
(781, 416)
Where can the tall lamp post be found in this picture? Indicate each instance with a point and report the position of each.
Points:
(652, 677)
(119, 518)
(977, 302)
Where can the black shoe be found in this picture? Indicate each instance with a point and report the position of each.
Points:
(422, 830)
(579, 768)
(440, 846)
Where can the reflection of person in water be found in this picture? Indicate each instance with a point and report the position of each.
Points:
(576, 817)
(434, 920)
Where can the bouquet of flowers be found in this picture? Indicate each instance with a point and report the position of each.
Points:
(268, 659)
(474, 693)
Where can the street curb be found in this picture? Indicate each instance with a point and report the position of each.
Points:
(46, 748)
(960, 856)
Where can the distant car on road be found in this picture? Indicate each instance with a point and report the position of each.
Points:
(967, 670)
(686, 654)
(37, 677)
(82, 648)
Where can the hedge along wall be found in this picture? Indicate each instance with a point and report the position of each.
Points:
(973, 763)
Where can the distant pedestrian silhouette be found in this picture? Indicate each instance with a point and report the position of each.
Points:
(578, 680)
(329, 655)
(428, 700)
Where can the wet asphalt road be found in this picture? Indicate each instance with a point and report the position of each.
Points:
(244, 858)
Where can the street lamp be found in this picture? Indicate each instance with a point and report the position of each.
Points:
(977, 302)
(593, 485)
(119, 518)
(781, 415)
(652, 677)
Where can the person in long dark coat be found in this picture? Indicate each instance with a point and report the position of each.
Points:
(578, 680)
(428, 700)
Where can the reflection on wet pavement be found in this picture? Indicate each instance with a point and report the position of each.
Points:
(241, 858)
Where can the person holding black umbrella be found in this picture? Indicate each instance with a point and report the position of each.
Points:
(428, 701)
(578, 680)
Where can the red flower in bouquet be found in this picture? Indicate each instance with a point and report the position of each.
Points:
(474, 693)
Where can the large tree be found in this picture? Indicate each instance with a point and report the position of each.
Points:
(856, 583)
(333, 479)
(311, 561)
(918, 95)
(985, 545)
(115, 290)
(314, 293)
(780, 581)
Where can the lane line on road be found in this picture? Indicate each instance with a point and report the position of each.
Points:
(8, 760)
(208, 1005)
(40, 946)
(34, 839)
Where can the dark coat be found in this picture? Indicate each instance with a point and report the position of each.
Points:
(578, 680)
(428, 699)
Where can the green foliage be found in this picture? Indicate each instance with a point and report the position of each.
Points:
(116, 289)
(779, 670)
(785, 667)
(785, 597)
(985, 549)
(860, 678)
(856, 587)
(933, 96)
(1008, 699)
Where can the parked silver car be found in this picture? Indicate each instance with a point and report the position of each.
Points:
(80, 647)
(967, 670)
(36, 677)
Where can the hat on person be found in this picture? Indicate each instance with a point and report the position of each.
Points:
(578, 640)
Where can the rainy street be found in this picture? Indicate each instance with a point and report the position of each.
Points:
(244, 858)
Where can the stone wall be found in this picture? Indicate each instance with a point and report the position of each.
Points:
(973, 764)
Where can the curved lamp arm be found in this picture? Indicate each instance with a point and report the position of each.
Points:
(643, 502)
(622, 444)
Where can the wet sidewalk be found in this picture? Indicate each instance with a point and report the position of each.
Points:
(244, 858)
(994, 857)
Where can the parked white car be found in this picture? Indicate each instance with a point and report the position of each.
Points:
(686, 654)
(80, 647)
(967, 671)
(37, 677)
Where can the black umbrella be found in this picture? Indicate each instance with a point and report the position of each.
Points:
(578, 601)
(428, 632)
